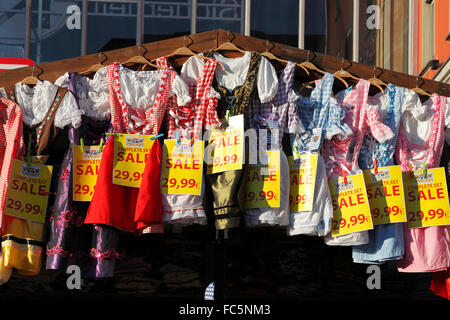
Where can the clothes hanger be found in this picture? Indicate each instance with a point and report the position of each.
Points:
(419, 90)
(185, 51)
(269, 55)
(141, 60)
(377, 82)
(344, 73)
(94, 68)
(311, 66)
(31, 79)
(229, 46)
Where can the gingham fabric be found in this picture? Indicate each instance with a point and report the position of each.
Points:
(209, 292)
(435, 144)
(321, 110)
(190, 118)
(385, 241)
(123, 116)
(426, 249)
(11, 145)
(341, 153)
(277, 109)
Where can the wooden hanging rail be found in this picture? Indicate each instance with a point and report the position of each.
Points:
(212, 39)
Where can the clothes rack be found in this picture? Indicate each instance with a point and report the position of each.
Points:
(212, 39)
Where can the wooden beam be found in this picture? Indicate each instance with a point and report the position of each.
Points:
(210, 40)
(52, 70)
(331, 64)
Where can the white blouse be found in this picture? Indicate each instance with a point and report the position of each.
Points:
(92, 96)
(417, 118)
(235, 73)
(36, 101)
(139, 90)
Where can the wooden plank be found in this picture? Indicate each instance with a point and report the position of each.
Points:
(52, 70)
(210, 40)
(332, 64)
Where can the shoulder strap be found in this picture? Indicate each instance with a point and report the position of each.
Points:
(11, 93)
(44, 132)
(247, 90)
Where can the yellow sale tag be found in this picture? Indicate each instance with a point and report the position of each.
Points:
(302, 175)
(351, 211)
(182, 167)
(263, 183)
(385, 193)
(131, 152)
(227, 150)
(85, 171)
(28, 191)
(426, 198)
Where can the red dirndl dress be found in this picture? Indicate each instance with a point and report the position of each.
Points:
(127, 208)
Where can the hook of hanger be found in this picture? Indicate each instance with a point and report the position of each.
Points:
(267, 45)
(184, 40)
(342, 63)
(374, 74)
(307, 57)
(32, 71)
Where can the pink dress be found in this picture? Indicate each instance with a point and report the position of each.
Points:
(342, 154)
(421, 139)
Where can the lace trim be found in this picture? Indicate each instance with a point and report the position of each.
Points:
(434, 145)
(69, 217)
(149, 114)
(102, 255)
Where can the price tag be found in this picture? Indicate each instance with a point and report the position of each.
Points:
(28, 191)
(426, 198)
(302, 175)
(85, 171)
(385, 193)
(131, 152)
(351, 211)
(263, 183)
(227, 150)
(182, 168)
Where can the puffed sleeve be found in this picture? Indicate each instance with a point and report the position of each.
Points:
(267, 81)
(181, 90)
(68, 112)
(93, 95)
(191, 71)
(413, 105)
(63, 81)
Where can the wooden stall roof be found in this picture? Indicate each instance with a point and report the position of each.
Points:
(209, 40)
